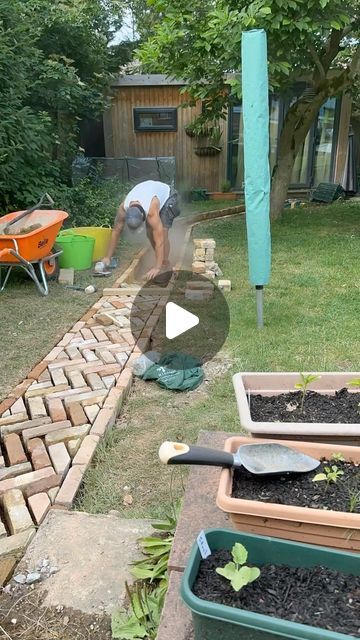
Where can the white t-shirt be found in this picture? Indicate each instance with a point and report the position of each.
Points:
(144, 193)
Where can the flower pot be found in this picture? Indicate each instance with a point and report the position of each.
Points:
(336, 529)
(270, 384)
(207, 151)
(213, 621)
(222, 195)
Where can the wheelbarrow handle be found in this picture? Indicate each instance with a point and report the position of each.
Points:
(4, 253)
(41, 203)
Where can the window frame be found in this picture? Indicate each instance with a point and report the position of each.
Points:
(140, 110)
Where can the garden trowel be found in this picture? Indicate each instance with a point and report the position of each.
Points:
(260, 459)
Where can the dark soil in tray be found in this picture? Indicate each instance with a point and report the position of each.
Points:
(300, 490)
(343, 407)
(316, 596)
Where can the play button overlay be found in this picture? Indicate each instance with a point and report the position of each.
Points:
(178, 320)
(188, 315)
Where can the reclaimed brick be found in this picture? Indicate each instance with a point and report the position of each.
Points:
(86, 450)
(38, 453)
(125, 380)
(109, 381)
(89, 355)
(89, 314)
(121, 358)
(39, 505)
(56, 410)
(60, 364)
(14, 449)
(42, 485)
(70, 486)
(91, 411)
(73, 352)
(115, 399)
(105, 420)
(69, 433)
(78, 326)
(36, 408)
(65, 340)
(15, 545)
(5, 405)
(76, 379)
(66, 394)
(94, 381)
(58, 377)
(73, 446)
(76, 414)
(106, 357)
(102, 369)
(7, 566)
(37, 386)
(16, 419)
(51, 389)
(15, 470)
(20, 482)
(59, 458)
(44, 376)
(100, 335)
(18, 427)
(38, 432)
(16, 512)
(20, 389)
(87, 334)
(18, 407)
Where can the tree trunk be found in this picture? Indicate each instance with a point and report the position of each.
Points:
(297, 124)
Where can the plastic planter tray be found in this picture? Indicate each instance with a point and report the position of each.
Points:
(337, 529)
(213, 621)
(271, 383)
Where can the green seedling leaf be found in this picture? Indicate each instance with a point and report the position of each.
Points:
(239, 553)
(354, 383)
(228, 571)
(338, 457)
(244, 576)
(319, 477)
(126, 628)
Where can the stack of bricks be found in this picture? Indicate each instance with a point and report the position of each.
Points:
(199, 291)
(52, 422)
(204, 258)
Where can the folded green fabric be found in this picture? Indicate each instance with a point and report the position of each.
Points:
(176, 371)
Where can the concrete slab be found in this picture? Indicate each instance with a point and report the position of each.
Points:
(92, 554)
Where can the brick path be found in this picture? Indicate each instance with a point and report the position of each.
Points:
(52, 422)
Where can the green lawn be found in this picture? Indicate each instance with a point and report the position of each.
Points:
(31, 325)
(312, 312)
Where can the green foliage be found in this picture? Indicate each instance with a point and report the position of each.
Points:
(90, 203)
(354, 500)
(337, 457)
(354, 383)
(305, 380)
(226, 186)
(237, 574)
(147, 599)
(330, 475)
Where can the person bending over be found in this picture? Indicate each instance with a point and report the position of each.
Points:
(151, 203)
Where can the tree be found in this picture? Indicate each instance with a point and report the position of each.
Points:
(316, 41)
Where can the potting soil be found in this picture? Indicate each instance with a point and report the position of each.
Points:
(299, 489)
(314, 596)
(343, 407)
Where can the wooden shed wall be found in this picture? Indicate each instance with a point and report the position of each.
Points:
(192, 171)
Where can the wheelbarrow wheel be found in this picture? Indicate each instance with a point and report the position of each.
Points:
(51, 269)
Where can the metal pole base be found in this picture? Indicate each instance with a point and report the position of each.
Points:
(260, 306)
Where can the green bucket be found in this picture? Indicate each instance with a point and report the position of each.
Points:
(77, 251)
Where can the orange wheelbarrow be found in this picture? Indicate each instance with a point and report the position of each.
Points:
(27, 239)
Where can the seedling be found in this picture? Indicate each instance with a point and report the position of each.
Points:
(238, 575)
(354, 500)
(330, 475)
(337, 457)
(354, 383)
(305, 380)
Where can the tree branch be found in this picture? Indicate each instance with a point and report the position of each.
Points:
(317, 61)
(332, 48)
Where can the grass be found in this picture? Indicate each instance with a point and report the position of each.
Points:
(31, 325)
(312, 314)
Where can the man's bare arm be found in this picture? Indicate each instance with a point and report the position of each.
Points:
(116, 233)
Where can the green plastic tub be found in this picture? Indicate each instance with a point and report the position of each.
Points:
(214, 621)
(77, 251)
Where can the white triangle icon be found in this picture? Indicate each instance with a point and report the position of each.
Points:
(178, 320)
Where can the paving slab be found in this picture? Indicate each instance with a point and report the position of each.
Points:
(92, 553)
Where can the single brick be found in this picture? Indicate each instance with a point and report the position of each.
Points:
(21, 482)
(16, 512)
(60, 458)
(73, 446)
(66, 276)
(5, 406)
(198, 267)
(7, 566)
(65, 340)
(66, 394)
(54, 353)
(106, 357)
(56, 409)
(104, 421)
(10, 419)
(20, 389)
(87, 334)
(224, 285)
(18, 407)
(42, 485)
(76, 379)
(76, 414)
(38, 432)
(91, 411)
(14, 449)
(86, 398)
(115, 399)
(36, 408)
(89, 355)
(87, 450)
(63, 435)
(16, 545)
(78, 326)
(19, 427)
(94, 381)
(38, 453)
(58, 377)
(39, 505)
(73, 352)
(100, 335)
(60, 364)
(70, 486)
(109, 381)
(15, 470)
(44, 376)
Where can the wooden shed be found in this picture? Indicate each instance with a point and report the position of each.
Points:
(146, 120)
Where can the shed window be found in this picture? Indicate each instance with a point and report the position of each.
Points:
(155, 119)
